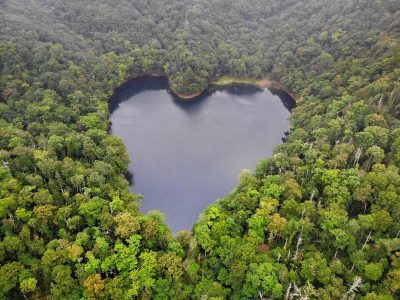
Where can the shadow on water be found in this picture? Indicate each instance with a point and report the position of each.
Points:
(130, 177)
(241, 90)
(286, 99)
(188, 162)
(136, 86)
(192, 106)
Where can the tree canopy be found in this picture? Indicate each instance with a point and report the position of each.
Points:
(320, 219)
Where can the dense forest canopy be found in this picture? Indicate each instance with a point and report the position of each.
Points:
(318, 220)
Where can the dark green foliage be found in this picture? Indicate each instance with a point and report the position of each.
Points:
(320, 219)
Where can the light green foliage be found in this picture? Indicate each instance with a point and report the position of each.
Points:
(262, 279)
(318, 214)
(374, 271)
(9, 277)
(143, 278)
(315, 268)
(28, 285)
(126, 225)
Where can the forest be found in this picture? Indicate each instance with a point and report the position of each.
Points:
(320, 219)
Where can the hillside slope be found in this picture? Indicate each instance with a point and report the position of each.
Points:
(318, 220)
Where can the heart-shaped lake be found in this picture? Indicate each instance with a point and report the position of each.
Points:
(186, 154)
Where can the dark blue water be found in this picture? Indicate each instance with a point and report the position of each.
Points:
(186, 154)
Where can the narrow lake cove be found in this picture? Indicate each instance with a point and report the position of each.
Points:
(186, 154)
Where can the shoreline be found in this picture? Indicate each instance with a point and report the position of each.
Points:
(260, 83)
(187, 97)
(223, 81)
(155, 74)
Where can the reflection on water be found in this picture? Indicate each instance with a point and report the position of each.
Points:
(186, 154)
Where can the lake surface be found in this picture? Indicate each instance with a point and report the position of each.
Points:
(186, 154)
